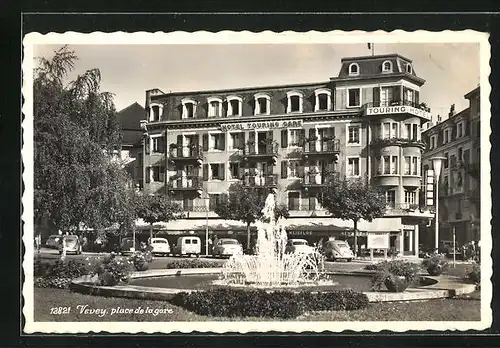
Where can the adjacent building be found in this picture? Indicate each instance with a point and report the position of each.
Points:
(457, 139)
(366, 122)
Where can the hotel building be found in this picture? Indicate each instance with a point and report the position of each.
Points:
(364, 123)
(457, 139)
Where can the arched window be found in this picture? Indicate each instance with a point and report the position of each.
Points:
(295, 101)
(234, 105)
(188, 108)
(214, 107)
(387, 66)
(353, 69)
(155, 111)
(409, 70)
(323, 99)
(262, 104)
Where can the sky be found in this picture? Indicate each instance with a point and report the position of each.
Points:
(451, 70)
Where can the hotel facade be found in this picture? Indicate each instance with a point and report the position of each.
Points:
(366, 123)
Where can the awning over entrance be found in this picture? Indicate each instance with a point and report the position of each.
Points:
(193, 224)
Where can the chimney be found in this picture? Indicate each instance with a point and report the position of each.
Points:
(452, 110)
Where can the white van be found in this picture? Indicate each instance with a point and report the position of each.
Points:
(188, 245)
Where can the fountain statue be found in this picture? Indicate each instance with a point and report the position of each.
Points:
(271, 266)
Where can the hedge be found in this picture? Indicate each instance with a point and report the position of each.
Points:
(194, 263)
(228, 302)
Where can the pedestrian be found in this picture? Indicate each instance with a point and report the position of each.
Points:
(38, 242)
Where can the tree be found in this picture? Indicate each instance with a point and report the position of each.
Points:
(157, 208)
(352, 200)
(245, 205)
(76, 179)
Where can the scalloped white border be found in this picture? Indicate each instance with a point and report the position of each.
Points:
(246, 37)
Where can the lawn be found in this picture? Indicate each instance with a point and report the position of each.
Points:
(458, 309)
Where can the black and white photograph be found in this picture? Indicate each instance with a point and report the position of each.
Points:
(253, 182)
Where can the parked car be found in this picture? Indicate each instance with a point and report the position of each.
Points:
(71, 245)
(160, 246)
(446, 247)
(298, 246)
(127, 246)
(338, 249)
(227, 247)
(53, 241)
(187, 245)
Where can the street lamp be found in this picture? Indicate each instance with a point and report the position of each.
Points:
(145, 136)
(436, 166)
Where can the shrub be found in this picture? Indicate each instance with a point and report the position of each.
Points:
(228, 302)
(390, 274)
(112, 271)
(194, 263)
(372, 267)
(140, 260)
(59, 274)
(435, 265)
(475, 274)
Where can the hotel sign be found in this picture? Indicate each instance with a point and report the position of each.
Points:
(403, 109)
(261, 125)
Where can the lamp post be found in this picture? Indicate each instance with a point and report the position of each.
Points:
(436, 165)
(145, 136)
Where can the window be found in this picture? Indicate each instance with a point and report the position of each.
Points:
(445, 184)
(294, 101)
(188, 108)
(386, 130)
(394, 165)
(387, 66)
(294, 169)
(155, 174)
(353, 69)
(157, 144)
(323, 100)
(294, 137)
(187, 205)
(379, 164)
(353, 135)
(446, 137)
(386, 96)
(214, 107)
(390, 197)
(214, 199)
(414, 166)
(262, 104)
(460, 153)
(217, 141)
(409, 70)
(354, 97)
(234, 106)
(236, 141)
(460, 128)
(410, 197)
(414, 133)
(394, 130)
(216, 171)
(234, 170)
(407, 165)
(387, 164)
(353, 166)
(433, 144)
(445, 164)
(155, 113)
(293, 201)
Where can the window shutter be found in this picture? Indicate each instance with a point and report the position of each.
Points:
(196, 140)
(205, 142)
(376, 96)
(205, 172)
(284, 138)
(242, 140)
(302, 135)
(222, 144)
(161, 144)
(284, 169)
(179, 140)
(396, 93)
(417, 97)
(222, 172)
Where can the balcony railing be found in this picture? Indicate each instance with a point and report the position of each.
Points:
(261, 150)
(387, 103)
(269, 180)
(325, 147)
(186, 183)
(406, 208)
(193, 152)
(398, 142)
(313, 179)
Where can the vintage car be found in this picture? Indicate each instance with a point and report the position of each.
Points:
(227, 247)
(160, 246)
(187, 245)
(71, 245)
(338, 249)
(298, 246)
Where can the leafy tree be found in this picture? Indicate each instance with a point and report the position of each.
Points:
(157, 208)
(352, 200)
(245, 205)
(76, 178)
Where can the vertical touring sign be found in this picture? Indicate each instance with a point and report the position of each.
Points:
(429, 187)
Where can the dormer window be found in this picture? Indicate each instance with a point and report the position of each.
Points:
(295, 102)
(409, 70)
(155, 110)
(262, 104)
(234, 106)
(387, 66)
(353, 69)
(323, 100)
(214, 107)
(188, 108)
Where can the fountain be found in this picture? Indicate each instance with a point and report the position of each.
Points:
(271, 266)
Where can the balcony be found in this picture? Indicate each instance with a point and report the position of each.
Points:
(186, 153)
(261, 181)
(314, 180)
(321, 148)
(186, 183)
(379, 142)
(262, 150)
(397, 107)
(408, 209)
